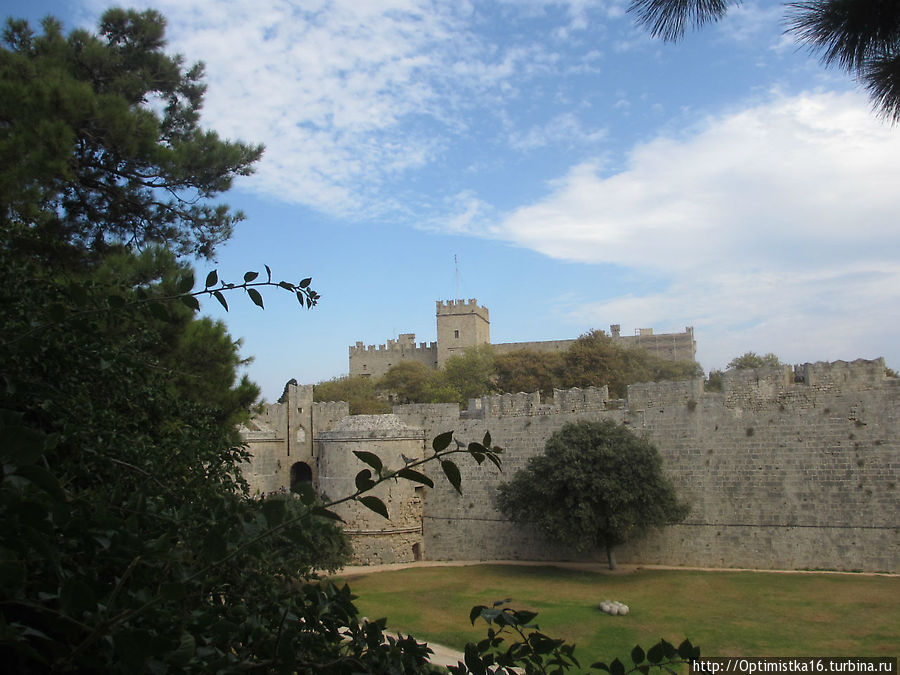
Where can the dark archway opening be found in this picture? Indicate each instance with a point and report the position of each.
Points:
(300, 474)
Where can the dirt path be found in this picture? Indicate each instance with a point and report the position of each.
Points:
(599, 568)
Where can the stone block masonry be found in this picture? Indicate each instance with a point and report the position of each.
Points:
(780, 474)
(784, 469)
(375, 361)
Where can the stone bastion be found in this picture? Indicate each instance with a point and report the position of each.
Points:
(785, 468)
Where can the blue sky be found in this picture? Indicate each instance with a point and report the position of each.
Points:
(580, 172)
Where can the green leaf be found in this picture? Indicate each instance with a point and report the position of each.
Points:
(487, 439)
(190, 301)
(668, 648)
(325, 513)
(250, 276)
(115, 301)
(221, 298)
(255, 297)
(364, 480)
(268, 274)
(212, 278)
(688, 651)
(600, 665)
(655, 653)
(637, 655)
(159, 312)
(274, 510)
(186, 283)
(542, 644)
(617, 667)
(475, 612)
(286, 286)
(524, 617)
(442, 441)
(301, 298)
(473, 660)
(412, 475)
(371, 459)
(305, 283)
(375, 504)
(452, 473)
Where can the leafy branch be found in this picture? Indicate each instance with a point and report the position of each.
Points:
(364, 480)
(215, 287)
(539, 654)
(79, 295)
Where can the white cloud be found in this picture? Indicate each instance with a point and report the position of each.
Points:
(352, 97)
(787, 180)
(468, 215)
(345, 94)
(749, 21)
(766, 222)
(563, 130)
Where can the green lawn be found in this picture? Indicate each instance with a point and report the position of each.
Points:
(724, 613)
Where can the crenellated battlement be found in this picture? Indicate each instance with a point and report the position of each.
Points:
(330, 411)
(452, 307)
(392, 346)
(522, 404)
(376, 360)
(800, 386)
(580, 400)
(796, 387)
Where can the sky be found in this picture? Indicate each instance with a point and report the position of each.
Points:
(551, 160)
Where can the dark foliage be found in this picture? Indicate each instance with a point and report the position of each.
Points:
(596, 485)
(85, 157)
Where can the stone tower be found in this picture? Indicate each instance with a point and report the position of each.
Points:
(460, 324)
(280, 440)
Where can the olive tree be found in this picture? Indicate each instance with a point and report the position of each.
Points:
(596, 484)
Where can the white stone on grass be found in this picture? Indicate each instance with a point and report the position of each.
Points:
(613, 608)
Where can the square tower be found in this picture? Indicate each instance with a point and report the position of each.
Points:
(460, 324)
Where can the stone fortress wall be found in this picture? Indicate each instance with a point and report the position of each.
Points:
(375, 360)
(786, 468)
(670, 346)
(462, 324)
(375, 539)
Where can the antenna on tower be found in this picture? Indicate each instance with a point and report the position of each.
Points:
(456, 268)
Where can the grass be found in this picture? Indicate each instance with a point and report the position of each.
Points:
(725, 613)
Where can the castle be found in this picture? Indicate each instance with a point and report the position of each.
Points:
(785, 468)
(462, 324)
